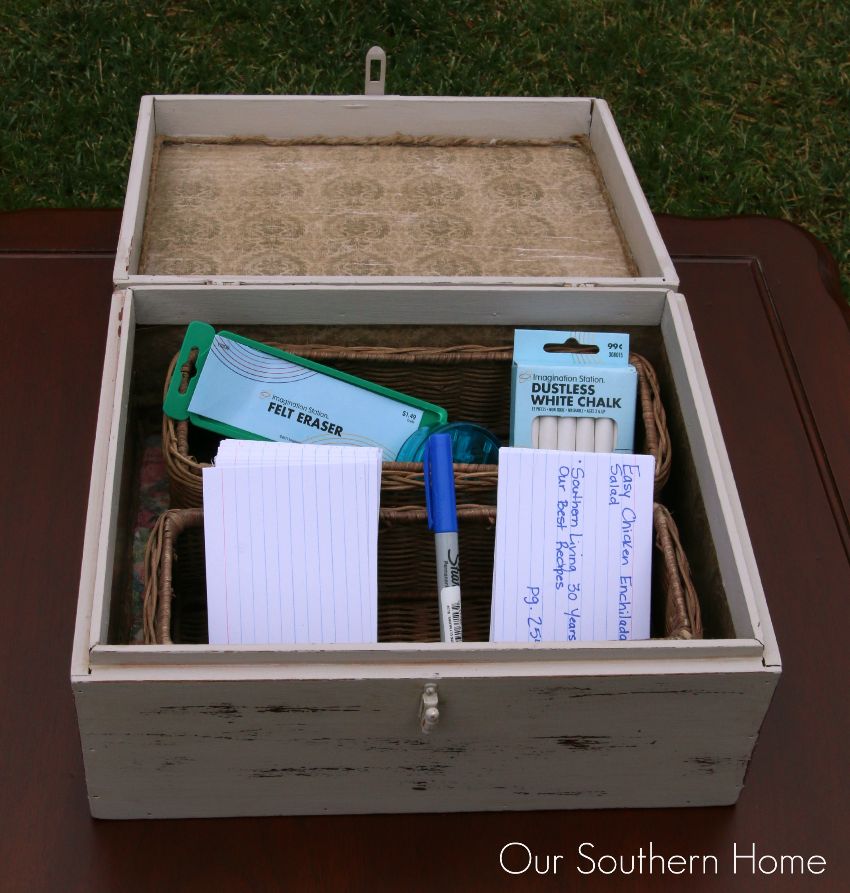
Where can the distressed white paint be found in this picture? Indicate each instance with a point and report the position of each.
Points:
(293, 117)
(393, 665)
(100, 484)
(288, 665)
(124, 333)
(231, 279)
(133, 219)
(286, 117)
(184, 730)
(174, 749)
(392, 305)
(633, 211)
(659, 652)
(720, 495)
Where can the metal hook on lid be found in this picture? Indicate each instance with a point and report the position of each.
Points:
(375, 87)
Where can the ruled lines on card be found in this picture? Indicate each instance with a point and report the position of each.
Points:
(291, 536)
(573, 547)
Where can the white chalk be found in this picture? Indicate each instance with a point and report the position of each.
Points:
(585, 435)
(535, 432)
(566, 433)
(606, 431)
(548, 439)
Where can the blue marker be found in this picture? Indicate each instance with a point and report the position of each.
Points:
(442, 519)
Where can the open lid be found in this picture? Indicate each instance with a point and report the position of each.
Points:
(371, 189)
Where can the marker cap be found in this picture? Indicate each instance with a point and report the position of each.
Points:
(440, 484)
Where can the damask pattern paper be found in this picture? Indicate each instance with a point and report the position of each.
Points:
(246, 208)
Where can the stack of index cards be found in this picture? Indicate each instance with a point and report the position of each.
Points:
(573, 547)
(291, 534)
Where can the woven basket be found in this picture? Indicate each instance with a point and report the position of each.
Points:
(478, 391)
(175, 584)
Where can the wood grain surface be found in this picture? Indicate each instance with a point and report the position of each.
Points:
(772, 328)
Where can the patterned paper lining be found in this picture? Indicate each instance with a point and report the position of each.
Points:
(219, 208)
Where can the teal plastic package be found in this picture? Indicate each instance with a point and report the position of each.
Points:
(573, 391)
(249, 390)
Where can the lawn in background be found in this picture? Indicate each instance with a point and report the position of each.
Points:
(725, 107)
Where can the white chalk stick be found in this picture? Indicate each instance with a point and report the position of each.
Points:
(606, 430)
(566, 433)
(585, 435)
(535, 432)
(548, 439)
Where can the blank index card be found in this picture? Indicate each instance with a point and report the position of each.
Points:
(291, 533)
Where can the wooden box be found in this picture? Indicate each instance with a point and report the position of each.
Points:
(197, 730)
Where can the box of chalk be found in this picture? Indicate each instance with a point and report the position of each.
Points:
(573, 391)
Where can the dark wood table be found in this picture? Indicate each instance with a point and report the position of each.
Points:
(773, 331)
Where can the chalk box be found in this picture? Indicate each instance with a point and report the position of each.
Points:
(172, 731)
(596, 385)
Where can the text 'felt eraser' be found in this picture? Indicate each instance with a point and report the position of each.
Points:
(249, 390)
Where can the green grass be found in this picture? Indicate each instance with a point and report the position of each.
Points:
(725, 107)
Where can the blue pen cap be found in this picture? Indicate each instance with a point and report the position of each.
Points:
(440, 484)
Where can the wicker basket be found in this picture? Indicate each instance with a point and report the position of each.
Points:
(478, 392)
(175, 586)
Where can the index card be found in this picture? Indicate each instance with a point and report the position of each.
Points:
(291, 543)
(573, 547)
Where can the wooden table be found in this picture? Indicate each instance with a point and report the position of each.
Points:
(773, 330)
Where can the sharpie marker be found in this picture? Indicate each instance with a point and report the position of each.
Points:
(442, 519)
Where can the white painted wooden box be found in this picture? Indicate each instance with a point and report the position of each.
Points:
(170, 731)
(202, 731)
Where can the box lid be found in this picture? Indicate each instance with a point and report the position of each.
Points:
(385, 189)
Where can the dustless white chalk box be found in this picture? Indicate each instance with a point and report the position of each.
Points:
(197, 730)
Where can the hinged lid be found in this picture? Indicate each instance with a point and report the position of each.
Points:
(384, 189)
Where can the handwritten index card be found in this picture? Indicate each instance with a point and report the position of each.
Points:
(573, 547)
(291, 533)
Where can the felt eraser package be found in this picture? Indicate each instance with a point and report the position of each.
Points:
(252, 391)
(573, 391)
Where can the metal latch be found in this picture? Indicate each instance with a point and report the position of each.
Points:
(429, 712)
(375, 87)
